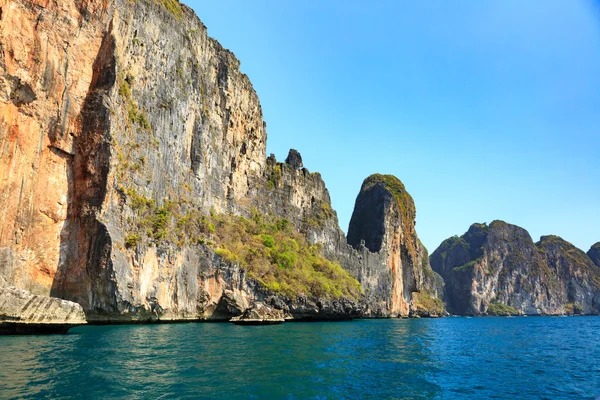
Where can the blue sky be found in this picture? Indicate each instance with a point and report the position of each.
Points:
(484, 109)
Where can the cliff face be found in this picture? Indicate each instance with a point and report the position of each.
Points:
(594, 253)
(130, 142)
(383, 223)
(498, 269)
(104, 104)
(46, 53)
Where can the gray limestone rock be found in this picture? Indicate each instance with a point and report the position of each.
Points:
(498, 269)
(594, 253)
(294, 159)
(383, 223)
(22, 312)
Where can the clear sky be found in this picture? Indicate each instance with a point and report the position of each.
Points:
(484, 109)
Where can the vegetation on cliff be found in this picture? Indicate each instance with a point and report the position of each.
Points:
(396, 187)
(266, 246)
(281, 258)
(426, 305)
(172, 6)
(499, 309)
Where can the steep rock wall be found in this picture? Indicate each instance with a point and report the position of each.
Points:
(46, 53)
(171, 120)
(383, 223)
(392, 265)
(101, 100)
(116, 116)
(498, 269)
(594, 253)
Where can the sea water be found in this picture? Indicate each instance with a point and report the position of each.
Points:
(447, 358)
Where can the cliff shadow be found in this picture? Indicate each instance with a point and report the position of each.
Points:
(84, 273)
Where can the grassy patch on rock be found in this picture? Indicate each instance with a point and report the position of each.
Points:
(428, 305)
(499, 309)
(172, 6)
(268, 248)
(280, 258)
(574, 309)
(134, 114)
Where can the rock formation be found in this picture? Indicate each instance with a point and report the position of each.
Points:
(294, 159)
(260, 315)
(130, 100)
(383, 223)
(498, 269)
(594, 253)
(123, 126)
(22, 312)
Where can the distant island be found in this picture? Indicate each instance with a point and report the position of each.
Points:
(136, 188)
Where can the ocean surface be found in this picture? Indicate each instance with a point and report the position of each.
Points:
(448, 358)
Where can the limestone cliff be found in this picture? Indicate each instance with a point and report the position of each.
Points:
(131, 143)
(383, 223)
(105, 103)
(498, 269)
(594, 253)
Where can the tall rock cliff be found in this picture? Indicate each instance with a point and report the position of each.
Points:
(134, 179)
(107, 105)
(498, 269)
(383, 223)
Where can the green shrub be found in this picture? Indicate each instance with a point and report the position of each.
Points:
(268, 248)
(226, 255)
(497, 308)
(132, 240)
(268, 240)
(280, 258)
(125, 90)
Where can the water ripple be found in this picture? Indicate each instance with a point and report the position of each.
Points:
(451, 358)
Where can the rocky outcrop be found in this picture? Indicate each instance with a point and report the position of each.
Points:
(294, 159)
(497, 269)
(260, 315)
(123, 124)
(578, 277)
(302, 198)
(594, 253)
(383, 224)
(22, 312)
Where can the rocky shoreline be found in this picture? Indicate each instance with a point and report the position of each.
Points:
(24, 313)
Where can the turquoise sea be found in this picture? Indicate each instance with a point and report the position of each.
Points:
(448, 358)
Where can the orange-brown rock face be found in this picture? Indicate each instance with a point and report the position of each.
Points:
(46, 52)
